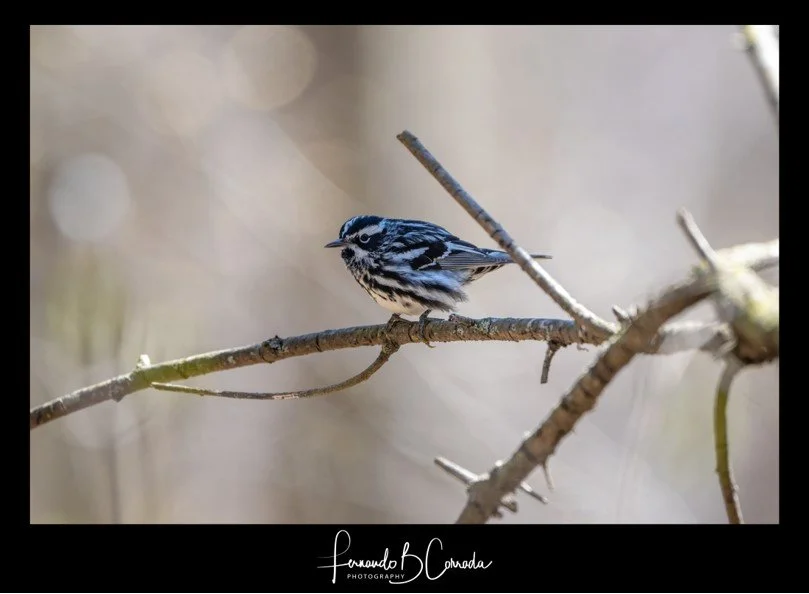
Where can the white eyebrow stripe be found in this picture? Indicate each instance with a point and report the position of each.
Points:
(371, 229)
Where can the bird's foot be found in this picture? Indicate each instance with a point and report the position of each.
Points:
(423, 326)
(393, 319)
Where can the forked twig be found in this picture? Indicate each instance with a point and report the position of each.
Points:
(384, 355)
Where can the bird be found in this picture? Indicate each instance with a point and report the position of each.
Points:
(413, 267)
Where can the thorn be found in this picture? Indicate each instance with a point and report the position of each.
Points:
(620, 314)
(547, 472)
(456, 471)
(526, 488)
(510, 503)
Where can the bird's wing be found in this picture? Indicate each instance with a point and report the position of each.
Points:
(438, 249)
(465, 255)
(462, 256)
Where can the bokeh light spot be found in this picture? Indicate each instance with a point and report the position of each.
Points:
(267, 67)
(88, 197)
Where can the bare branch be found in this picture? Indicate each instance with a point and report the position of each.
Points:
(546, 282)
(762, 45)
(723, 467)
(580, 399)
(641, 334)
(277, 349)
(673, 338)
(384, 355)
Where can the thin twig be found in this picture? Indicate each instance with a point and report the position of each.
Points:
(695, 236)
(383, 357)
(546, 364)
(762, 45)
(546, 282)
(720, 425)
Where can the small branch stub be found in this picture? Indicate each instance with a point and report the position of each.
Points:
(546, 364)
(472, 480)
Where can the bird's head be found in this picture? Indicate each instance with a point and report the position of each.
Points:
(359, 236)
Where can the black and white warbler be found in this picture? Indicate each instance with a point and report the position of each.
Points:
(413, 267)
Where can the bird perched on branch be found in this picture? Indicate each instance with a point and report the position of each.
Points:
(413, 267)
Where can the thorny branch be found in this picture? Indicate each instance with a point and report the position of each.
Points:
(470, 479)
(540, 444)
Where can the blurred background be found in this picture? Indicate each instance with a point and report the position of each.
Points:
(185, 179)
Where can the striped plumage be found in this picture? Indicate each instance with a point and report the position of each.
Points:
(413, 267)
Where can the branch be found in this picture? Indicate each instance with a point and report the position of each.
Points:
(277, 349)
(637, 336)
(751, 308)
(674, 338)
(546, 282)
(743, 300)
(762, 46)
(580, 399)
(384, 356)
(732, 507)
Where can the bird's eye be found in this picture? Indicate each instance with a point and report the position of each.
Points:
(364, 238)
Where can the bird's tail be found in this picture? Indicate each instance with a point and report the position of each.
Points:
(506, 259)
(534, 256)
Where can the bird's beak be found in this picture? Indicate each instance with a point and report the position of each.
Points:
(335, 243)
